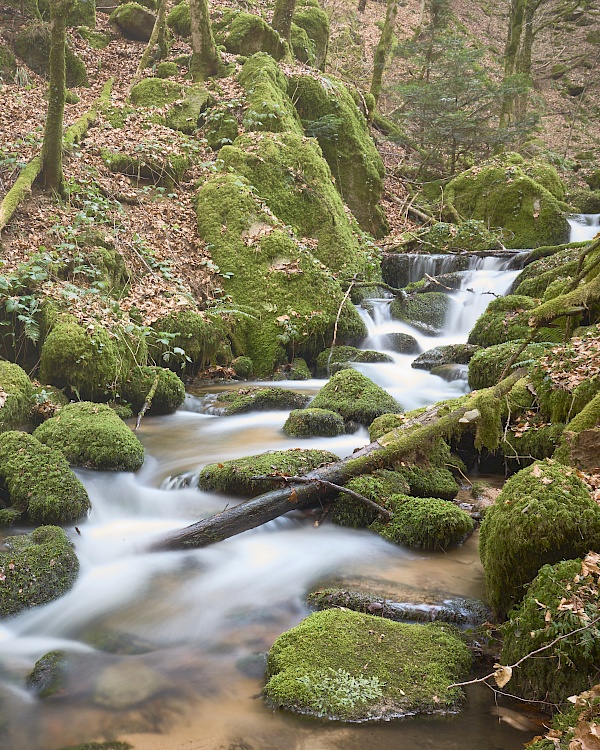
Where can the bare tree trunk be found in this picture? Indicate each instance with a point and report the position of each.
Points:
(383, 48)
(157, 32)
(282, 18)
(205, 58)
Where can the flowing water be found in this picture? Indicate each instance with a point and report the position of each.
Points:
(166, 649)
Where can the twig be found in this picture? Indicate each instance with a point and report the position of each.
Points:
(304, 480)
(148, 401)
(337, 320)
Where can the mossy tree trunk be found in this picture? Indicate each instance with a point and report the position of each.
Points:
(205, 58)
(51, 176)
(384, 48)
(282, 18)
(158, 37)
(511, 51)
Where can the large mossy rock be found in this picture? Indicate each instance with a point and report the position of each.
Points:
(32, 45)
(92, 435)
(378, 487)
(471, 236)
(293, 300)
(330, 114)
(245, 34)
(487, 365)
(156, 92)
(39, 482)
(202, 338)
(315, 22)
(185, 115)
(501, 194)
(262, 399)
(543, 514)
(355, 397)
(535, 279)
(507, 319)
(450, 354)
(179, 19)
(292, 177)
(426, 312)
(168, 396)
(36, 568)
(329, 358)
(355, 667)
(135, 21)
(314, 423)
(16, 396)
(238, 477)
(560, 600)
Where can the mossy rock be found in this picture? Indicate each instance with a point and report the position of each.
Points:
(96, 39)
(48, 673)
(487, 365)
(330, 114)
(92, 435)
(243, 367)
(292, 177)
(330, 357)
(16, 396)
(433, 481)
(39, 482)
(302, 47)
(506, 319)
(315, 22)
(426, 312)
(570, 666)
(579, 444)
(318, 667)
(155, 92)
(245, 34)
(32, 45)
(47, 400)
(543, 514)
(547, 176)
(451, 354)
(297, 369)
(36, 568)
(425, 523)
(169, 395)
(501, 194)
(8, 64)
(471, 236)
(110, 265)
(537, 442)
(164, 168)
(401, 343)
(384, 424)
(167, 70)
(199, 336)
(262, 399)
(185, 115)
(584, 201)
(355, 397)
(179, 20)
(398, 269)
(291, 300)
(135, 21)
(537, 276)
(378, 487)
(220, 128)
(314, 423)
(236, 477)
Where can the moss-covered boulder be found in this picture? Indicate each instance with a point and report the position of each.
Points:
(292, 300)
(243, 367)
(179, 19)
(245, 34)
(560, 600)
(330, 114)
(451, 354)
(315, 22)
(36, 568)
(47, 400)
(164, 167)
(426, 312)
(433, 481)
(292, 177)
(487, 365)
(536, 277)
(262, 399)
(185, 115)
(221, 127)
(16, 396)
(530, 440)
(297, 369)
(543, 514)
(384, 424)
(8, 64)
(401, 343)
(167, 69)
(168, 396)
(355, 397)
(302, 47)
(32, 45)
(471, 236)
(425, 523)
(378, 487)
(155, 92)
(39, 482)
(318, 667)
(135, 21)
(92, 435)
(501, 194)
(238, 477)
(314, 423)
(191, 334)
(328, 358)
(506, 319)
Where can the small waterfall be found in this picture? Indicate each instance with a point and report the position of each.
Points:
(583, 227)
(431, 265)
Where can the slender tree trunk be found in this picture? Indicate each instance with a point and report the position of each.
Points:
(282, 18)
(205, 58)
(523, 63)
(511, 50)
(157, 32)
(384, 48)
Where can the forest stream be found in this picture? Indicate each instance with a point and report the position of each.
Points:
(196, 624)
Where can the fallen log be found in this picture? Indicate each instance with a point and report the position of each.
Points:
(411, 441)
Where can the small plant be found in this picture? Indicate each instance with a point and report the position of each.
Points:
(336, 691)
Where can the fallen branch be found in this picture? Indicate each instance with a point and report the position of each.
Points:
(148, 402)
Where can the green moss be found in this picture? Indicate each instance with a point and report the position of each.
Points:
(378, 487)
(583, 201)
(302, 46)
(537, 276)
(169, 394)
(297, 369)
(166, 70)
(354, 397)
(96, 39)
(155, 92)
(502, 195)
(163, 168)
(185, 115)
(425, 523)
(245, 34)
(262, 399)
(201, 338)
(570, 666)
(92, 435)
(47, 676)
(384, 424)
(487, 365)
(39, 481)
(429, 482)
(16, 396)
(237, 477)
(471, 236)
(315, 22)
(451, 354)
(345, 142)
(294, 180)
(547, 176)
(291, 299)
(314, 422)
(8, 64)
(135, 21)
(330, 357)
(108, 264)
(569, 451)
(506, 319)
(37, 568)
(220, 128)
(537, 442)
(353, 667)
(32, 45)
(179, 19)
(542, 515)
(426, 312)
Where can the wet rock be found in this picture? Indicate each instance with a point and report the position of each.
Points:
(445, 355)
(355, 397)
(262, 399)
(426, 312)
(402, 343)
(126, 684)
(450, 373)
(328, 358)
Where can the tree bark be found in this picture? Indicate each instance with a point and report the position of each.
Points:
(383, 48)
(205, 58)
(511, 50)
(158, 33)
(282, 18)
